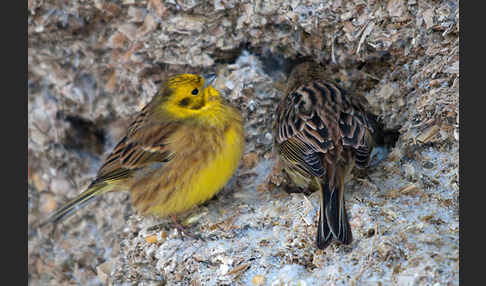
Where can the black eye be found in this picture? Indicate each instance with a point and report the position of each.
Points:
(195, 91)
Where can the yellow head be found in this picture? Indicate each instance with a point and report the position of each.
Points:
(186, 95)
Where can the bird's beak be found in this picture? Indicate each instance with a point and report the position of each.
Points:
(209, 79)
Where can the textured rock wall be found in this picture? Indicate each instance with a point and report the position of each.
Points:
(92, 64)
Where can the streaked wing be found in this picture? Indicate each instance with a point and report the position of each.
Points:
(356, 129)
(144, 144)
(305, 159)
(315, 118)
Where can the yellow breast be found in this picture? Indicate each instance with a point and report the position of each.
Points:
(202, 171)
(210, 179)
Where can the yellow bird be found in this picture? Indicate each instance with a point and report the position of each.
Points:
(180, 150)
(320, 133)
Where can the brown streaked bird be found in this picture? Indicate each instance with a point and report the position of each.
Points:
(179, 151)
(320, 133)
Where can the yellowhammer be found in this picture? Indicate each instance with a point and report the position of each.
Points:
(180, 150)
(320, 134)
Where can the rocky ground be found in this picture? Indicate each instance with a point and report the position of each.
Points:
(93, 64)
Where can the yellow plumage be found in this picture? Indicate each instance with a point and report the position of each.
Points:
(205, 177)
(180, 150)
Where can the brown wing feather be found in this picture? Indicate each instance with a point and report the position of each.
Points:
(319, 132)
(143, 145)
(316, 118)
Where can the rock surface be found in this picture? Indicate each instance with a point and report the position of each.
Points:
(93, 64)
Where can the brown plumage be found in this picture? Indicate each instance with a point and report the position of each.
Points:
(321, 132)
(179, 151)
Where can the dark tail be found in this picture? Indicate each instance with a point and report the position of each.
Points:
(71, 207)
(333, 220)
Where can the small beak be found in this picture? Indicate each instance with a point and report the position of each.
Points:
(209, 79)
